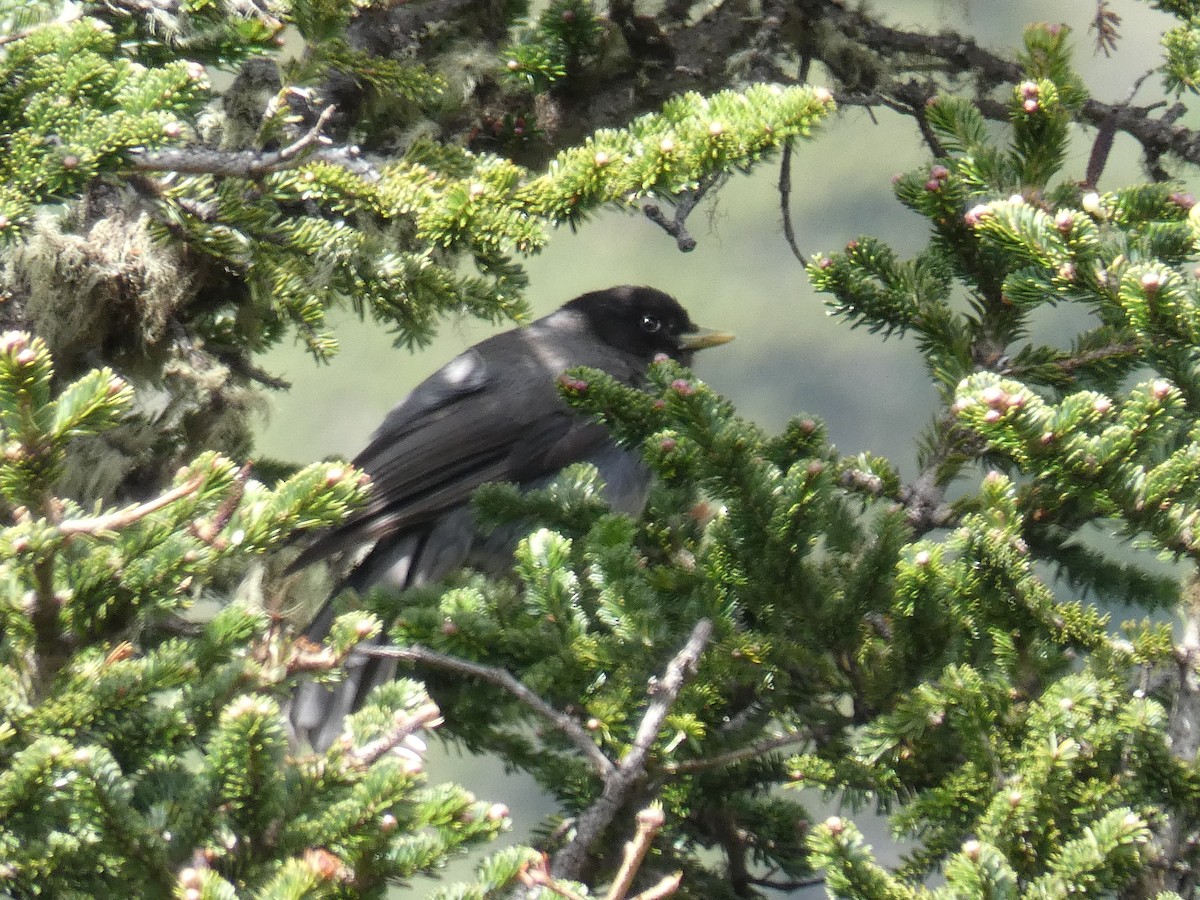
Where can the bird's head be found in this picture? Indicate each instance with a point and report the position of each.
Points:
(645, 322)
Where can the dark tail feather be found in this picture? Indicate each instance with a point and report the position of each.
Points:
(318, 711)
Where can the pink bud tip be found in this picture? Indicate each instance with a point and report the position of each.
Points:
(578, 385)
(975, 214)
(993, 395)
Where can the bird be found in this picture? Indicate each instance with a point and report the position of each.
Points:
(492, 414)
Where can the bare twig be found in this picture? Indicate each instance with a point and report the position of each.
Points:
(573, 731)
(665, 888)
(794, 884)
(239, 164)
(1106, 24)
(785, 201)
(247, 369)
(129, 515)
(537, 875)
(425, 716)
(649, 824)
(735, 756)
(569, 861)
(676, 227)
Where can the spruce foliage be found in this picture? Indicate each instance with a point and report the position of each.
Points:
(783, 615)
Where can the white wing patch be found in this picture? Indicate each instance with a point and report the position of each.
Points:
(463, 370)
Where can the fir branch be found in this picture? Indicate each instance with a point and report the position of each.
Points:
(924, 498)
(1069, 364)
(1175, 836)
(69, 15)
(569, 861)
(242, 163)
(571, 729)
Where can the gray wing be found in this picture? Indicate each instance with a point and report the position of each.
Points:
(472, 422)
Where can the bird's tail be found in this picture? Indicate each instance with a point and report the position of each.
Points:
(318, 711)
(409, 559)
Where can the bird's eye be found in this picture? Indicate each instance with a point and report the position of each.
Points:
(650, 324)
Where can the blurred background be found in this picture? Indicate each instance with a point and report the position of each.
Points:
(789, 357)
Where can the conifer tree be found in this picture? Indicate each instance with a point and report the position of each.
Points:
(784, 614)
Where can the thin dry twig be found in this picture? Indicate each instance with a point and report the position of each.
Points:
(569, 861)
(537, 875)
(573, 731)
(425, 716)
(686, 202)
(785, 201)
(649, 824)
(129, 515)
(665, 888)
(238, 164)
(735, 756)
